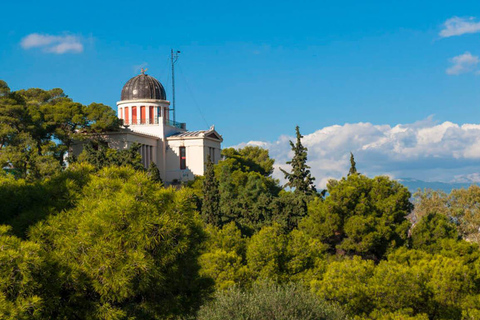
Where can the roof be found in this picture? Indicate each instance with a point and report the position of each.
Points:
(143, 86)
(188, 134)
(211, 133)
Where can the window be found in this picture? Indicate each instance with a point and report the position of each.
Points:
(142, 115)
(183, 158)
(150, 115)
(126, 115)
(134, 115)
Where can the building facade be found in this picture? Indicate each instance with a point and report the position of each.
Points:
(178, 153)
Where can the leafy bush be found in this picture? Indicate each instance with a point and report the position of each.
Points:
(267, 300)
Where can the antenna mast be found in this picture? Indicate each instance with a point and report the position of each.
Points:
(174, 58)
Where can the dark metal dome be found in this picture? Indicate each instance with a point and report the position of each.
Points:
(143, 87)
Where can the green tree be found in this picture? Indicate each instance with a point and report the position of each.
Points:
(23, 203)
(154, 173)
(38, 127)
(21, 267)
(353, 165)
(211, 196)
(100, 155)
(432, 228)
(345, 283)
(300, 178)
(246, 192)
(224, 258)
(267, 253)
(361, 216)
(129, 249)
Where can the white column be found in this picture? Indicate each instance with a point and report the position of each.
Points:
(130, 116)
(138, 115)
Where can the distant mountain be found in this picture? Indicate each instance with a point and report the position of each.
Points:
(413, 185)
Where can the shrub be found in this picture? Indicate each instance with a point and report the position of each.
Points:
(267, 300)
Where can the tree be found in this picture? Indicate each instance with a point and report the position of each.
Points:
(267, 253)
(224, 258)
(129, 249)
(23, 203)
(346, 283)
(21, 268)
(246, 189)
(211, 196)
(100, 155)
(38, 127)
(361, 216)
(299, 178)
(353, 168)
(460, 206)
(430, 230)
(154, 173)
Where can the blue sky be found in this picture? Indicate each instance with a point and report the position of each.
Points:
(256, 69)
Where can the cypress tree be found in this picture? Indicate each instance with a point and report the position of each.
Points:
(353, 168)
(300, 177)
(211, 196)
(153, 173)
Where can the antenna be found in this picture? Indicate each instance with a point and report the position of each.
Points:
(174, 58)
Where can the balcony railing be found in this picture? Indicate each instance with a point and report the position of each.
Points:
(171, 123)
(141, 121)
(176, 124)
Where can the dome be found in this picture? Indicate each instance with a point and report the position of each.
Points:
(143, 87)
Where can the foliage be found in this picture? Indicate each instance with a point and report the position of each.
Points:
(224, 259)
(154, 174)
(250, 158)
(353, 165)
(100, 155)
(127, 250)
(23, 203)
(300, 178)
(431, 229)
(461, 206)
(246, 195)
(267, 300)
(361, 216)
(21, 266)
(31, 120)
(267, 253)
(211, 196)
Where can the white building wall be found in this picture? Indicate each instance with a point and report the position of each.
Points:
(196, 156)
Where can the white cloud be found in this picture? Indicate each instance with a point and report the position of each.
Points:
(463, 63)
(457, 26)
(53, 44)
(423, 150)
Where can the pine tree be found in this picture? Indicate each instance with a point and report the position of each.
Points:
(211, 196)
(353, 168)
(153, 173)
(300, 177)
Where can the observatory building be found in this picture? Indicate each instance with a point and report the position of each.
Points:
(178, 153)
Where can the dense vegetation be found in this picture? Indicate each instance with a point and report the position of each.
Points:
(102, 238)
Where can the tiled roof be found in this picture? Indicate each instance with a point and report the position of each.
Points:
(189, 134)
